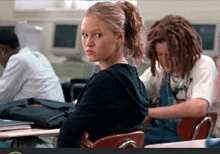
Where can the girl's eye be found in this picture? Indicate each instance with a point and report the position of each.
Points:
(98, 35)
(84, 35)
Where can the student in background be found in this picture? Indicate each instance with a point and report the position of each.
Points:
(27, 73)
(216, 105)
(114, 100)
(217, 82)
(180, 76)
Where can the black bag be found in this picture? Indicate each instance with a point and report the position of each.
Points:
(44, 113)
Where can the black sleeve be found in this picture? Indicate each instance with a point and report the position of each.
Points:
(93, 104)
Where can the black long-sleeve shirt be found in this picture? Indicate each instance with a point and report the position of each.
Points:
(113, 101)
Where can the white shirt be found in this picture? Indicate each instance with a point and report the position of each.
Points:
(29, 74)
(199, 83)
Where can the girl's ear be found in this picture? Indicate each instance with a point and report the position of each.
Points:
(121, 37)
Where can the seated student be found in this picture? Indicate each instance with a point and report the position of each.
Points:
(180, 76)
(216, 106)
(217, 80)
(114, 100)
(27, 73)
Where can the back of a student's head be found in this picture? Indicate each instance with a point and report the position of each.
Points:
(9, 38)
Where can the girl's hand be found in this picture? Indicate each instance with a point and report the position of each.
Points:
(146, 122)
(85, 142)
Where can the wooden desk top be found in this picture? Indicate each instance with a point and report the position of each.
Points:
(182, 144)
(28, 132)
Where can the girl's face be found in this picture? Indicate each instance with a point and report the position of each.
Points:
(98, 41)
(164, 58)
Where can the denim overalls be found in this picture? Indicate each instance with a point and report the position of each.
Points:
(163, 130)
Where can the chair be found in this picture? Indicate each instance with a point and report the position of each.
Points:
(66, 91)
(76, 87)
(128, 140)
(192, 128)
(72, 89)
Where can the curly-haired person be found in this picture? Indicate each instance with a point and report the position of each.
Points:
(180, 77)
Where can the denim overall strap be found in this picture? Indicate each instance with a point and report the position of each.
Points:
(163, 130)
(167, 99)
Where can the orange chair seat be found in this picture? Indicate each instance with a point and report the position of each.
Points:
(115, 141)
(186, 127)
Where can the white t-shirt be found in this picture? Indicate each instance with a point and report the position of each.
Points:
(29, 74)
(199, 83)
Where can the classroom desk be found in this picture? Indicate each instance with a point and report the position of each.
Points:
(11, 134)
(182, 144)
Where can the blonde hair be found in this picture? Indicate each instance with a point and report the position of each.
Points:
(124, 16)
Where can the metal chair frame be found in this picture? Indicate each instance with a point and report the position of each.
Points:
(127, 143)
(191, 128)
(127, 140)
(199, 126)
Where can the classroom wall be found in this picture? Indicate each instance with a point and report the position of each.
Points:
(190, 9)
(6, 9)
(151, 10)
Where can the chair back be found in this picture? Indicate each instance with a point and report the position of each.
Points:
(72, 89)
(191, 128)
(76, 87)
(127, 140)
